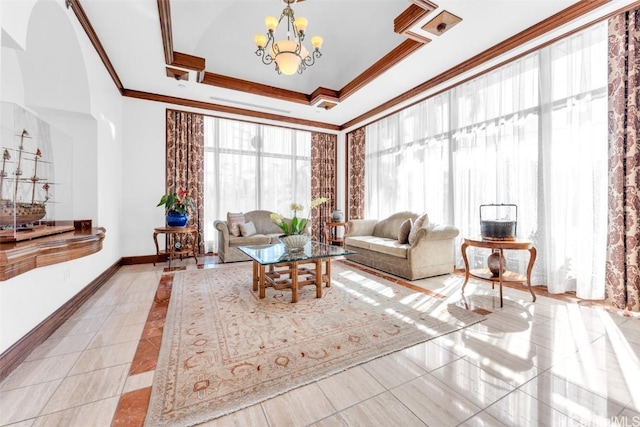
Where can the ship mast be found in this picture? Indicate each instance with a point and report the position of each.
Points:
(35, 178)
(5, 156)
(18, 172)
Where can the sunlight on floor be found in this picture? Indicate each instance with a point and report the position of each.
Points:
(550, 362)
(369, 283)
(355, 293)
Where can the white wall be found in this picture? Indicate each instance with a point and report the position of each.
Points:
(91, 114)
(143, 174)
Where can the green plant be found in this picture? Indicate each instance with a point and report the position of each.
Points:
(176, 201)
(296, 225)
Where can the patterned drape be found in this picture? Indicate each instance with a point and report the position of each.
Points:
(623, 248)
(324, 150)
(355, 173)
(185, 163)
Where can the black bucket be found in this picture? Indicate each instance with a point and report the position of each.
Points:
(499, 228)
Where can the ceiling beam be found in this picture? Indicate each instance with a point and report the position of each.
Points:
(403, 50)
(190, 62)
(254, 88)
(226, 109)
(95, 41)
(412, 15)
(164, 10)
(322, 93)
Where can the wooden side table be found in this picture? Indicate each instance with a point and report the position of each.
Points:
(331, 233)
(503, 275)
(175, 235)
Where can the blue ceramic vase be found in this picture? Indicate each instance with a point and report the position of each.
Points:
(177, 219)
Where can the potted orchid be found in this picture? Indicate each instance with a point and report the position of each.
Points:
(294, 230)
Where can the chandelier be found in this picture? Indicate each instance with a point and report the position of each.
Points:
(289, 54)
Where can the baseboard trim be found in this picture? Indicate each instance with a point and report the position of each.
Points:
(151, 259)
(19, 351)
(143, 259)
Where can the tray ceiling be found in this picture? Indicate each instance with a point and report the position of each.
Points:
(375, 52)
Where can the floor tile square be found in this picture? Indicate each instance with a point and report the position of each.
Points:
(87, 387)
(435, 403)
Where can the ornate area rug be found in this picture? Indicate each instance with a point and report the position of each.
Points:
(224, 349)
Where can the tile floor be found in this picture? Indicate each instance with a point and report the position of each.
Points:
(555, 362)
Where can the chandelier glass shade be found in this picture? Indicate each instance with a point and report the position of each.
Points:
(288, 53)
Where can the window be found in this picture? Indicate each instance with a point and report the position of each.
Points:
(250, 166)
(532, 132)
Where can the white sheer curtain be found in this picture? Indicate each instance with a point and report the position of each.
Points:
(531, 133)
(408, 162)
(573, 80)
(250, 166)
(495, 151)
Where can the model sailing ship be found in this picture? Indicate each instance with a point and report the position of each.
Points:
(13, 211)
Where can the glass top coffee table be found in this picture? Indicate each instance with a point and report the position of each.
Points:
(292, 270)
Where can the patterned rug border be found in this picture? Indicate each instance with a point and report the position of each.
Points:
(154, 414)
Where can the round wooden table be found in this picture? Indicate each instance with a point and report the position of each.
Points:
(503, 275)
(331, 233)
(173, 235)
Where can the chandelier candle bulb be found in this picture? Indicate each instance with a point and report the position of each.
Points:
(301, 24)
(271, 22)
(316, 42)
(261, 40)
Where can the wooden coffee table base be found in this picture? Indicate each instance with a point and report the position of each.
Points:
(292, 275)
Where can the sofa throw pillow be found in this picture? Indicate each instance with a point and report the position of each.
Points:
(405, 229)
(233, 222)
(418, 223)
(247, 229)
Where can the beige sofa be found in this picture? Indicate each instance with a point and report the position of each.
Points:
(266, 232)
(376, 245)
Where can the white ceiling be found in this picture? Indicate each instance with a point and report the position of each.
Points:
(356, 33)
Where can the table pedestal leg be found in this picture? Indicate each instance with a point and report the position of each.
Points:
(502, 268)
(193, 245)
(294, 282)
(155, 240)
(532, 258)
(318, 278)
(466, 265)
(170, 248)
(327, 266)
(261, 280)
(256, 276)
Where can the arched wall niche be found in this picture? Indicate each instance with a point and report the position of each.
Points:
(57, 89)
(14, 33)
(53, 66)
